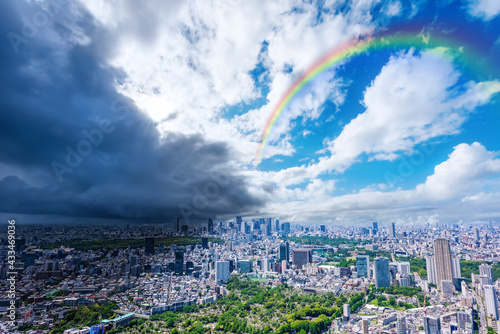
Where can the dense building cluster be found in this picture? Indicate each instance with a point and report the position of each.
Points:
(412, 276)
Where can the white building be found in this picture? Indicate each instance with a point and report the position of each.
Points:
(491, 301)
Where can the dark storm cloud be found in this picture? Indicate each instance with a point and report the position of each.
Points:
(71, 145)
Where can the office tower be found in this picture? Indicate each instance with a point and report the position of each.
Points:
(346, 316)
(442, 258)
(301, 257)
(277, 225)
(364, 326)
(133, 260)
(363, 265)
(264, 264)
(161, 247)
(267, 228)
(455, 266)
(322, 228)
(401, 325)
(431, 269)
(246, 266)
(392, 230)
(404, 268)
(491, 302)
(486, 270)
(177, 225)
(149, 246)
(375, 227)
(204, 242)
(284, 253)
(432, 325)
(286, 227)
(475, 233)
(210, 226)
(284, 266)
(239, 222)
(222, 271)
(381, 272)
(179, 261)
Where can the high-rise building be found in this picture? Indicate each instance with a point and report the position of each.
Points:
(392, 230)
(285, 227)
(486, 270)
(177, 225)
(455, 266)
(432, 325)
(381, 272)
(431, 269)
(365, 326)
(161, 247)
(346, 316)
(301, 257)
(239, 221)
(246, 266)
(210, 226)
(264, 264)
(491, 302)
(375, 227)
(267, 228)
(401, 325)
(442, 258)
(322, 228)
(149, 245)
(363, 265)
(204, 242)
(404, 268)
(475, 233)
(277, 225)
(284, 252)
(179, 261)
(222, 271)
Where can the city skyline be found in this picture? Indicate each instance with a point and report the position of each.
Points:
(307, 111)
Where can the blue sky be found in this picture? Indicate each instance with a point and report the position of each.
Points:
(393, 135)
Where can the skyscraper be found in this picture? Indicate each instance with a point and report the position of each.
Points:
(286, 227)
(222, 271)
(301, 257)
(177, 225)
(149, 245)
(364, 326)
(404, 268)
(375, 227)
(401, 325)
(486, 270)
(363, 265)
(322, 228)
(346, 316)
(179, 261)
(432, 325)
(431, 269)
(284, 252)
(442, 258)
(491, 302)
(204, 242)
(381, 272)
(455, 267)
(210, 226)
(277, 225)
(392, 230)
(475, 233)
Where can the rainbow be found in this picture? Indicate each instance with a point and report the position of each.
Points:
(445, 47)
